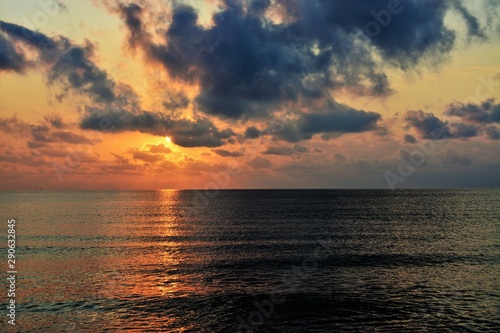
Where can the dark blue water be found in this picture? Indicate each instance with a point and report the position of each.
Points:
(261, 261)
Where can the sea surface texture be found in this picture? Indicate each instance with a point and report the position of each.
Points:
(255, 261)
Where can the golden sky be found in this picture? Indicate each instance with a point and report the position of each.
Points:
(248, 94)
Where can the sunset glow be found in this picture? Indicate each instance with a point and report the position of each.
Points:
(153, 95)
(250, 165)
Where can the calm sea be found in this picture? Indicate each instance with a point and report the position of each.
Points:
(255, 261)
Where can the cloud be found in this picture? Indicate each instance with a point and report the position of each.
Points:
(24, 159)
(260, 163)
(14, 127)
(32, 38)
(452, 157)
(147, 157)
(35, 145)
(475, 118)
(340, 157)
(10, 58)
(167, 165)
(46, 131)
(247, 63)
(471, 21)
(493, 132)
(410, 138)
(415, 156)
(120, 159)
(175, 101)
(334, 119)
(74, 69)
(131, 15)
(131, 169)
(227, 153)
(300, 148)
(159, 149)
(280, 151)
(197, 132)
(54, 120)
(70, 137)
(462, 130)
(252, 133)
(53, 152)
(285, 151)
(342, 120)
(45, 134)
(70, 65)
(486, 112)
(77, 157)
(428, 125)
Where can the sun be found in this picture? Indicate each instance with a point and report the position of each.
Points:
(168, 139)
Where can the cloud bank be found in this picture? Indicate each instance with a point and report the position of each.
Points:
(248, 61)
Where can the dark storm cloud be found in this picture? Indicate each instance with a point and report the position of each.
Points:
(431, 127)
(30, 37)
(246, 64)
(75, 69)
(10, 59)
(130, 14)
(414, 29)
(174, 102)
(239, 63)
(461, 130)
(475, 118)
(335, 119)
(338, 121)
(428, 125)
(48, 49)
(70, 65)
(199, 132)
(252, 133)
(486, 112)
(471, 21)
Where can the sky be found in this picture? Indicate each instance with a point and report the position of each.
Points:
(223, 94)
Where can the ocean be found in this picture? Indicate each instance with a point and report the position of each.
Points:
(254, 261)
